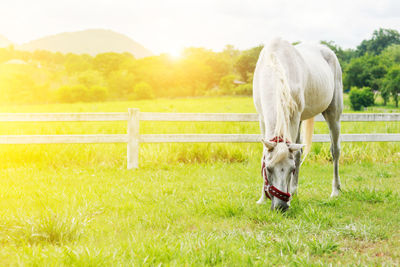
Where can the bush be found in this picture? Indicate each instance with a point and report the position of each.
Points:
(81, 93)
(142, 90)
(359, 98)
(73, 93)
(98, 93)
(244, 89)
(226, 84)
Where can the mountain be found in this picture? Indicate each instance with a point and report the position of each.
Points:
(4, 42)
(88, 42)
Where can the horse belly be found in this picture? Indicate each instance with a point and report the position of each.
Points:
(318, 94)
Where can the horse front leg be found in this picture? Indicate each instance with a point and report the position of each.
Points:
(263, 198)
(297, 159)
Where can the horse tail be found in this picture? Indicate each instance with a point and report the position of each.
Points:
(308, 131)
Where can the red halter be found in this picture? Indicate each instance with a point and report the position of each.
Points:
(269, 189)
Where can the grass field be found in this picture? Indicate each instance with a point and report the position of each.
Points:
(190, 204)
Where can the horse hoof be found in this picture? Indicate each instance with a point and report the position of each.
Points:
(335, 193)
(261, 201)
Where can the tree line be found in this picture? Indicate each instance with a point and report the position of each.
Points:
(46, 77)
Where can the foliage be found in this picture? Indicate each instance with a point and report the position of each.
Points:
(364, 71)
(142, 90)
(391, 84)
(46, 77)
(381, 39)
(244, 89)
(73, 93)
(246, 63)
(98, 93)
(75, 63)
(108, 62)
(227, 84)
(391, 55)
(121, 83)
(89, 78)
(359, 98)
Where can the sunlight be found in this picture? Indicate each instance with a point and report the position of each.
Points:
(176, 54)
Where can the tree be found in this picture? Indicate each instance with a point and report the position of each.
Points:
(391, 83)
(75, 63)
(201, 69)
(246, 63)
(365, 71)
(391, 55)
(89, 78)
(195, 75)
(381, 39)
(143, 90)
(161, 73)
(23, 83)
(121, 84)
(108, 62)
(226, 85)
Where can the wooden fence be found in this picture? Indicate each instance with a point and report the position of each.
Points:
(133, 138)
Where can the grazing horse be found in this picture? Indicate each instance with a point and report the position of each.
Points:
(293, 84)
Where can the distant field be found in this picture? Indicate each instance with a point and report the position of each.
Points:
(190, 204)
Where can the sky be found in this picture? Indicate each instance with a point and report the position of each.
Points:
(168, 26)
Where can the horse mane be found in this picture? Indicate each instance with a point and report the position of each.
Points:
(285, 103)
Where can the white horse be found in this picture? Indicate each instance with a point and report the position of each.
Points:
(292, 84)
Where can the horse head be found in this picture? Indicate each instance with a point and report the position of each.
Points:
(278, 168)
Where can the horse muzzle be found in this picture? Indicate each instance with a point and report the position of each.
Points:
(278, 204)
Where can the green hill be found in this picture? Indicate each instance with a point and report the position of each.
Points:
(91, 42)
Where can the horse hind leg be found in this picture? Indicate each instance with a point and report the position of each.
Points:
(332, 117)
(334, 128)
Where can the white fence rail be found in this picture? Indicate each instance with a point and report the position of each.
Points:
(133, 138)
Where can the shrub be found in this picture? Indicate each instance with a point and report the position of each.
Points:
(142, 90)
(226, 84)
(81, 93)
(244, 89)
(359, 98)
(98, 93)
(73, 93)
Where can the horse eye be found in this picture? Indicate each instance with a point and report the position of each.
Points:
(269, 169)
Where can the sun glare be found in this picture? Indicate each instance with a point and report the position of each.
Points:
(176, 54)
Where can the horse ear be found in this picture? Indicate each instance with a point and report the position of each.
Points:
(295, 147)
(268, 144)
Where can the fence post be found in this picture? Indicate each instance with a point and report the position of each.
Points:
(133, 138)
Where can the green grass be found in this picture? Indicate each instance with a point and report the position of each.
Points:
(190, 204)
